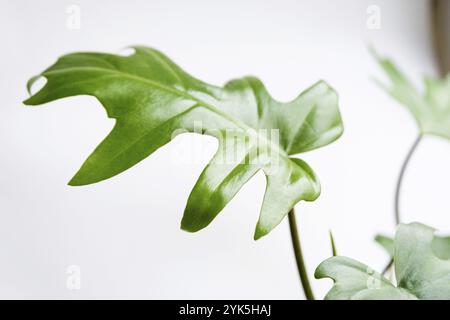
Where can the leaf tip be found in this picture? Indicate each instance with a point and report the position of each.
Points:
(188, 225)
(27, 102)
(80, 180)
(74, 182)
(318, 273)
(333, 244)
(186, 229)
(378, 238)
(259, 233)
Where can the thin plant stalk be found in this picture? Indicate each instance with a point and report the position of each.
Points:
(401, 176)
(399, 188)
(299, 256)
(333, 244)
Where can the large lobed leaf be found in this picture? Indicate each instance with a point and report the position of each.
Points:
(422, 270)
(153, 100)
(431, 109)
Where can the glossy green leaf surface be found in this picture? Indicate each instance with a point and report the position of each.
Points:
(420, 273)
(153, 100)
(430, 109)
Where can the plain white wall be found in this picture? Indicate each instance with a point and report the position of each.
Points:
(124, 232)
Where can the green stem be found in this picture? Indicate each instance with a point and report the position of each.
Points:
(299, 256)
(399, 188)
(401, 176)
(333, 244)
(388, 266)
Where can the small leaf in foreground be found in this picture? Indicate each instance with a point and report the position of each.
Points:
(420, 272)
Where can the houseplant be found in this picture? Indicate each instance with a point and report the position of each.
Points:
(153, 100)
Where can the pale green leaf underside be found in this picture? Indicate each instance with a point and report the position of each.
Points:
(356, 281)
(153, 100)
(439, 245)
(431, 109)
(417, 267)
(420, 273)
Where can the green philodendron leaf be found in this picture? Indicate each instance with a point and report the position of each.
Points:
(430, 109)
(420, 272)
(439, 245)
(153, 100)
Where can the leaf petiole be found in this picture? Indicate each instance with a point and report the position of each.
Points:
(401, 176)
(398, 190)
(299, 256)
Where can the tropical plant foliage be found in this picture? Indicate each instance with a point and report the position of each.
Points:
(153, 100)
(431, 109)
(440, 245)
(422, 269)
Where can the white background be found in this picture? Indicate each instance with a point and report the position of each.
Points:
(124, 232)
